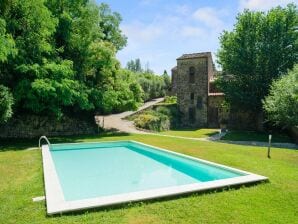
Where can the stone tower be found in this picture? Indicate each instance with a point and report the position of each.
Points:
(190, 82)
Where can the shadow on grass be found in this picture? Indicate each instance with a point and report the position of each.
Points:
(204, 130)
(12, 144)
(155, 200)
(256, 136)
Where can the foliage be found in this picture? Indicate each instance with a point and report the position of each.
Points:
(7, 46)
(170, 100)
(260, 48)
(126, 94)
(153, 121)
(153, 85)
(134, 65)
(58, 56)
(167, 80)
(281, 105)
(6, 102)
(160, 118)
(53, 86)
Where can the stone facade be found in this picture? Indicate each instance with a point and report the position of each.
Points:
(191, 83)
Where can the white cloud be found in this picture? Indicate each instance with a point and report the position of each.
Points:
(261, 4)
(139, 32)
(190, 31)
(209, 16)
(147, 2)
(182, 9)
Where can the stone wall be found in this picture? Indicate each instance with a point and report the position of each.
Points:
(30, 126)
(199, 89)
(217, 115)
(174, 77)
(245, 120)
(294, 134)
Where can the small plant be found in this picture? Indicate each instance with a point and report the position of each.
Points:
(170, 100)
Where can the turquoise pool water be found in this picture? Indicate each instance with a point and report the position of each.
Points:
(91, 170)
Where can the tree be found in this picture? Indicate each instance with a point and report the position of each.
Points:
(281, 105)
(59, 56)
(260, 48)
(110, 24)
(6, 102)
(138, 65)
(167, 80)
(134, 65)
(7, 46)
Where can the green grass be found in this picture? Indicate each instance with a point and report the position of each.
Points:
(191, 133)
(255, 136)
(272, 202)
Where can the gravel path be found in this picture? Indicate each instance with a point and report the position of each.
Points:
(116, 121)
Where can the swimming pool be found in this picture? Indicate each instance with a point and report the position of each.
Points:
(87, 175)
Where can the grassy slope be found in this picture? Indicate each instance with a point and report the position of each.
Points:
(273, 202)
(191, 133)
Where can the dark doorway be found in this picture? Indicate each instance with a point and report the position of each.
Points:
(213, 117)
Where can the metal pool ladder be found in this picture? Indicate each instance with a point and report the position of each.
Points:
(46, 139)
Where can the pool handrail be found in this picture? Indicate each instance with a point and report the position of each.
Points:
(45, 138)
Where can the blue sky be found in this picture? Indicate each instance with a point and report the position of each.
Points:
(159, 31)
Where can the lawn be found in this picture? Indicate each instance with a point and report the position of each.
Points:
(255, 136)
(272, 202)
(191, 133)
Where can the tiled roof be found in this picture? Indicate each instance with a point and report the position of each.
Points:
(195, 55)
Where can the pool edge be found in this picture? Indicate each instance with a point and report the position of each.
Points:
(56, 204)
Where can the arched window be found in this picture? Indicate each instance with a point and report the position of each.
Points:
(192, 72)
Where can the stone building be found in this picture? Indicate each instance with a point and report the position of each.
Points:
(192, 83)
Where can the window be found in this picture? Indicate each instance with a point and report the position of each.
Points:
(192, 75)
(192, 98)
(192, 114)
(199, 102)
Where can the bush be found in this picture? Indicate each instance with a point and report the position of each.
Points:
(161, 118)
(153, 121)
(170, 100)
(6, 102)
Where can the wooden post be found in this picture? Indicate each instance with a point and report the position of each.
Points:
(269, 146)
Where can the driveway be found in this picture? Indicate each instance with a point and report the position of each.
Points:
(116, 121)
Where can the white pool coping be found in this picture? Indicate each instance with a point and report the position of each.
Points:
(57, 204)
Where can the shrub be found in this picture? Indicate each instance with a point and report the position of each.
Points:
(153, 121)
(170, 100)
(164, 110)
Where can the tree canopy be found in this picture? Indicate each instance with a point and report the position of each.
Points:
(58, 56)
(281, 105)
(261, 47)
